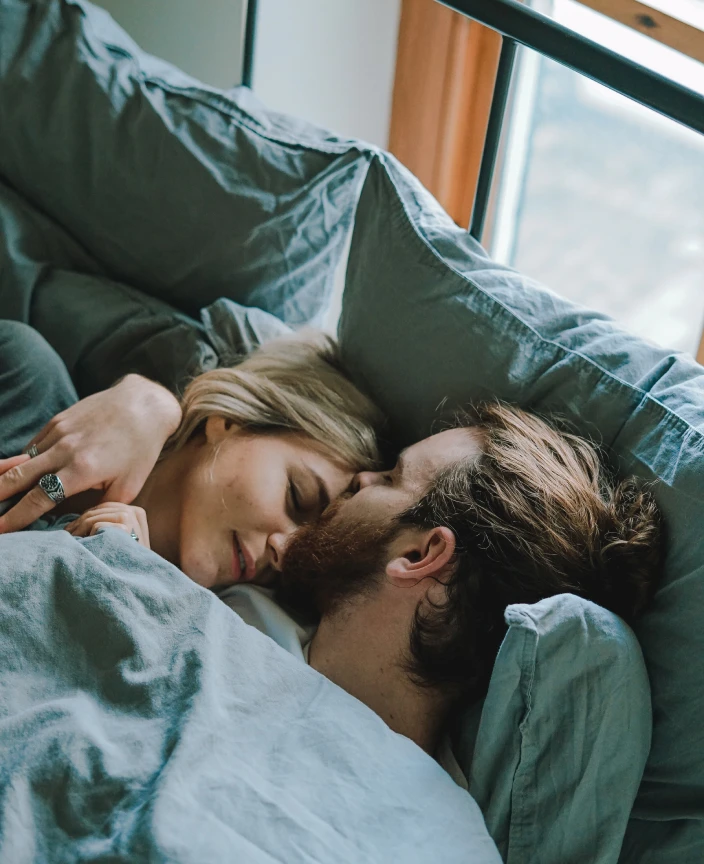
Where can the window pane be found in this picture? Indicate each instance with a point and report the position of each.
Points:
(602, 199)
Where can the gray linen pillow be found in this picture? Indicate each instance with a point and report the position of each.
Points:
(101, 328)
(183, 191)
(564, 734)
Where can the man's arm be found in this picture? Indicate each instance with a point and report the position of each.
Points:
(109, 441)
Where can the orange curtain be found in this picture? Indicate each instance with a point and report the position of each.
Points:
(445, 73)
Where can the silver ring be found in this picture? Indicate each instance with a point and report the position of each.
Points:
(134, 536)
(32, 451)
(53, 487)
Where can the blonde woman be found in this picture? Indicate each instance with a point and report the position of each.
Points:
(260, 450)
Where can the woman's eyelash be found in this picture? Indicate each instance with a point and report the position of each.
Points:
(295, 495)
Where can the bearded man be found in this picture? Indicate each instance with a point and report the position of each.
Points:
(412, 569)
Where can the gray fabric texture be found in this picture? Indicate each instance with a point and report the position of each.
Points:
(429, 319)
(185, 192)
(142, 720)
(34, 386)
(103, 329)
(564, 734)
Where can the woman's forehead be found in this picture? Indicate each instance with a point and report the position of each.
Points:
(308, 454)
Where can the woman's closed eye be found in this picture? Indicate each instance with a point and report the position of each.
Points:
(303, 506)
(294, 495)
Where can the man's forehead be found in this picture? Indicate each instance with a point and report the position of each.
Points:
(424, 459)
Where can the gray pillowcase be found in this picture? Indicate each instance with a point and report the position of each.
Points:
(564, 734)
(101, 328)
(185, 192)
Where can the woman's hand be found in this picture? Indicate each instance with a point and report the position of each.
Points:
(109, 441)
(112, 515)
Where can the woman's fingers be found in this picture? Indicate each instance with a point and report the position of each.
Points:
(22, 474)
(115, 515)
(32, 506)
(110, 441)
(36, 502)
(7, 464)
(48, 435)
(82, 527)
(143, 530)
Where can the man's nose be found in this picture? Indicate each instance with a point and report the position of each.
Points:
(366, 478)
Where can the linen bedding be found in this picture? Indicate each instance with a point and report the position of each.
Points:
(569, 689)
(142, 719)
(131, 699)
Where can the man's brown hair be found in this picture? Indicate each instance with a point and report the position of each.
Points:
(537, 514)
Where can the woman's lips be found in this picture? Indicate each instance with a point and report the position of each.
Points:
(241, 573)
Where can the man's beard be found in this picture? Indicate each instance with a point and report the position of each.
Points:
(330, 562)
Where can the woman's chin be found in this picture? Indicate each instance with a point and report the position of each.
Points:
(212, 583)
(205, 578)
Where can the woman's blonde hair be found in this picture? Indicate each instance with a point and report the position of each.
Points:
(291, 384)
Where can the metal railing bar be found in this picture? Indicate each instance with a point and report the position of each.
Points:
(250, 31)
(542, 34)
(493, 138)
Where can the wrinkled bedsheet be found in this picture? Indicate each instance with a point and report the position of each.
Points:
(143, 720)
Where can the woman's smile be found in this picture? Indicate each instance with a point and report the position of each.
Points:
(243, 568)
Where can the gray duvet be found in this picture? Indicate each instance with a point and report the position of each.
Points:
(142, 720)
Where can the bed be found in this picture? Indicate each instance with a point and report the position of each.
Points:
(151, 223)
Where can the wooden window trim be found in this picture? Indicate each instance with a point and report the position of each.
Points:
(700, 351)
(683, 37)
(445, 74)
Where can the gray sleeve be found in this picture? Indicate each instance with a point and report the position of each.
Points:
(34, 386)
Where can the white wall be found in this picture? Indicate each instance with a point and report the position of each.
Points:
(329, 61)
(202, 37)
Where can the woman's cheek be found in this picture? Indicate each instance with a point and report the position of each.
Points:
(198, 565)
(196, 553)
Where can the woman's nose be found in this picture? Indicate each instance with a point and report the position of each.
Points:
(277, 543)
(366, 478)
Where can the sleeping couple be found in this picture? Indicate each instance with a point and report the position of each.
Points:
(267, 474)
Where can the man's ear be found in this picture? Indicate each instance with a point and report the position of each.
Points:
(422, 554)
(217, 429)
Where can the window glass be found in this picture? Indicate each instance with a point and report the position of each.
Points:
(600, 198)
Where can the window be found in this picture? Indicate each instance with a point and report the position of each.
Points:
(602, 199)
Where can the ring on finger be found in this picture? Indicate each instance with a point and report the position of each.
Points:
(32, 451)
(53, 487)
(134, 536)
